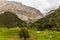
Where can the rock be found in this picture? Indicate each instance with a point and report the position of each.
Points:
(38, 31)
(50, 36)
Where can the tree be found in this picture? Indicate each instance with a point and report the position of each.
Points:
(24, 33)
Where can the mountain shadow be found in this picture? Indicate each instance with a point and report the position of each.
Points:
(9, 19)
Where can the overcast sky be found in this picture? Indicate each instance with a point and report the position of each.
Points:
(43, 5)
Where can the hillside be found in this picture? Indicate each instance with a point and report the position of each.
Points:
(51, 21)
(10, 20)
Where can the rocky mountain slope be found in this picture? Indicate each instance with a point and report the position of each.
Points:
(25, 13)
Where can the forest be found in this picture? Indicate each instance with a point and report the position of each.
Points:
(50, 22)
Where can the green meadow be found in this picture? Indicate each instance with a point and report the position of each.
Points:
(12, 34)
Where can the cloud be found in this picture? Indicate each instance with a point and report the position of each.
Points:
(43, 5)
(3, 0)
(59, 2)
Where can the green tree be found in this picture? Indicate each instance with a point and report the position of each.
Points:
(24, 33)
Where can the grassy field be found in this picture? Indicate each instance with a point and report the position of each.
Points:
(12, 34)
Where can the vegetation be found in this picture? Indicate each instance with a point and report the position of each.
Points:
(24, 33)
(9, 20)
(12, 34)
(50, 22)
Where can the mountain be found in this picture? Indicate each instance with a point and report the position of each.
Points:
(9, 20)
(51, 21)
(25, 13)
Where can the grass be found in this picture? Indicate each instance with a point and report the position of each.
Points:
(12, 34)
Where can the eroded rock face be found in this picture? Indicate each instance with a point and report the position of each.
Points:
(25, 13)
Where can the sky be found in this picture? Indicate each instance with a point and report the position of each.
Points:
(59, 2)
(43, 5)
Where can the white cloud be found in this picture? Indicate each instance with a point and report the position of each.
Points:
(43, 5)
(2, 0)
(59, 2)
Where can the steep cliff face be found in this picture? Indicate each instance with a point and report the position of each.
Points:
(25, 13)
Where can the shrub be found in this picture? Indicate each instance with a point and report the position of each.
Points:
(24, 33)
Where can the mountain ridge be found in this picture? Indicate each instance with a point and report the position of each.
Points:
(51, 22)
(25, 13)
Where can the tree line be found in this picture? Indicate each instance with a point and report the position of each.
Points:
(50, 22)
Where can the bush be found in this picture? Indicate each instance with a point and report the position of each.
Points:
(24, 33)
